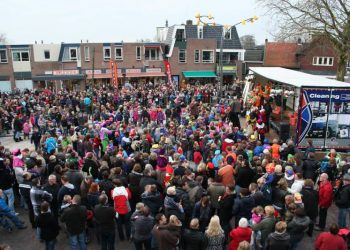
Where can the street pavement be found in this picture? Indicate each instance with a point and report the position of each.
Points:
(26, 239)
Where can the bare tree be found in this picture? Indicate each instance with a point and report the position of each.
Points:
(248, 41)
(329, 19)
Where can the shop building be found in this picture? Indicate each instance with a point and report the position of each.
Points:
(193, 52)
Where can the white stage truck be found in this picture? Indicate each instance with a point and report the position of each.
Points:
(322, 105)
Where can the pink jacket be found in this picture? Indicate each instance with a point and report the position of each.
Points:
(17, 162)
(26, 128)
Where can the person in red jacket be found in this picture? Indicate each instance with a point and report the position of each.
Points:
(239, 234)
(197, 156)
(330, 240)
(121, 197)
(325, 200)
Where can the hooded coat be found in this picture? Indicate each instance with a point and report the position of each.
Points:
(238, 235)
(278, 241)
(297, 227)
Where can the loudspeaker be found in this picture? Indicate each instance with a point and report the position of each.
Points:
(284, 131)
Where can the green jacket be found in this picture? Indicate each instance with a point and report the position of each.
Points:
(266, 226)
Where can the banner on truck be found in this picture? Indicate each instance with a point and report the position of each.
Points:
(324, 117)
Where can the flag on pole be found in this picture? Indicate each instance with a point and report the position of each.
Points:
(114, 73)
(168, 72)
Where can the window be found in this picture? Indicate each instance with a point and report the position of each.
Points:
(87, 54)
(20, 56)
(106, 53)
(180, 35)
(119, 53)
(182, 56)
(47, 54)
(200, 32)
(228, 34)
(138, 53)
(73, 54)
(3, 56)
(197, 58)
(207, 56)
(152, 54)
(322, 61)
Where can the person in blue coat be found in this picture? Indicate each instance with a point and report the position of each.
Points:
(7, 213)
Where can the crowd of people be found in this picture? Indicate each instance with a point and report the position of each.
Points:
(165, 169)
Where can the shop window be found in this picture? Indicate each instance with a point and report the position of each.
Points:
(322, 61)
(138, 53)
(207, 56)
(119, 53)
(20, 56)
(106, 53)
(3, 56)
(197, 58)
(152, 54)
(182, 56)
(87, 54)
(73, 54)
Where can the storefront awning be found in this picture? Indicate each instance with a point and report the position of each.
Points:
(57, 77)
(197, 74)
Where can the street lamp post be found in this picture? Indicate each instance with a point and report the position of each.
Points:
(225, 28)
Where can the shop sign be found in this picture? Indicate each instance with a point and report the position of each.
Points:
(227, 69)
(109, 71)
(154, 70)
(133, 71)
(96, 71)
(66, 72)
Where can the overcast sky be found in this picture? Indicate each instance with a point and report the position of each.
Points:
(55, 21)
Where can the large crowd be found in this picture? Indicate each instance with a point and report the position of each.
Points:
(165, 169)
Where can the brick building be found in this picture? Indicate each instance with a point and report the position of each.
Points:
(315, 57)
(192, 51)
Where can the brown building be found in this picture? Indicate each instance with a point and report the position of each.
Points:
(316, 57)
(191, 50)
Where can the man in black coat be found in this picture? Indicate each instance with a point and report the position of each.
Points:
(75, 218)
(342, 201)
(148, 179)
(53, 188)
(310, 200)
(48, 225)
(243, 206)
(310, 166)
(193, 238)
(226, 203)
(280, 239)
(182, 194)
(105, 222)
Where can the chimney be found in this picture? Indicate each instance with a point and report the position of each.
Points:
(81, 41)
(36, 42)
(42, 42)
(87, 41)
(166, 23)
(266, 40)
(189, 22)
